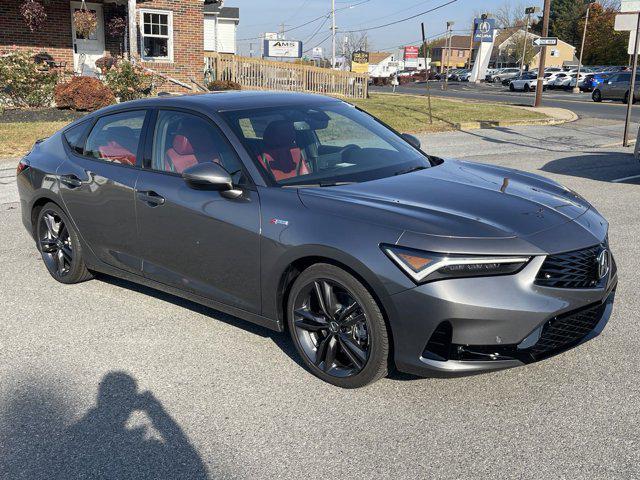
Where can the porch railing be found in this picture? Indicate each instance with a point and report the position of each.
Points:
(259, 74)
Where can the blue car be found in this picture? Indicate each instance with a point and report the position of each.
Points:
(594, 80)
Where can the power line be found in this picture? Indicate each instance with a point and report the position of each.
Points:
(394, 13)
(403, 19)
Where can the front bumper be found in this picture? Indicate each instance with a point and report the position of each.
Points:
(494, 322)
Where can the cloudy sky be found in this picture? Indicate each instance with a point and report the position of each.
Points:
(259, 16)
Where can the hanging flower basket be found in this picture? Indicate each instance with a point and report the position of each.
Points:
(116, 27)
(85, 22)
(34, 14)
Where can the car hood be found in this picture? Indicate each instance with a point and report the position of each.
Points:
(455, 199)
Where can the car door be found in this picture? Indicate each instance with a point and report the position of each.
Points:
(97, 185)
(197, 240)
(620, 86)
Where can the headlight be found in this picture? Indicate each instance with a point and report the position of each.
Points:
(425, 267)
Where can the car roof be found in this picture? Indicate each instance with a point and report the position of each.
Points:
(227, 100)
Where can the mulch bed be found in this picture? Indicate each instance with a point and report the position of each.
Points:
(39, 115)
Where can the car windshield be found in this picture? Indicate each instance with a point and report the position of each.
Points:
(323, 144)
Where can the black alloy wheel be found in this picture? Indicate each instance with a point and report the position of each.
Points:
(55, 244)
(337, 327)
(59, 246)
(596, 96)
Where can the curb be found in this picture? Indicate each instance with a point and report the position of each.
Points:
(509, 123)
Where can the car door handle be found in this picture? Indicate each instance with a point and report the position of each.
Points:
(71, 181)
(151, 198)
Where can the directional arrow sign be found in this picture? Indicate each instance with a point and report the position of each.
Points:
(548, 41)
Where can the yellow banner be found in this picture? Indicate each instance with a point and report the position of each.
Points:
(359, 67)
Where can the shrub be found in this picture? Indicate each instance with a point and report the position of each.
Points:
(218, 85)
(129, 82)
(23, 83)
(105, 63)
(83, 93)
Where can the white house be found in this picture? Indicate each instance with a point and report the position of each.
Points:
(220, 26)
(384, 64)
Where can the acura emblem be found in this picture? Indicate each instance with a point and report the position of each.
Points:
(603, 263)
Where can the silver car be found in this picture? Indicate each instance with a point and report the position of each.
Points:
(616, 88)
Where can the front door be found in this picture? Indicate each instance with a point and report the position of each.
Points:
(86, 50)
(195, 239)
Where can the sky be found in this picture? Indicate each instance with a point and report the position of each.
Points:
(260, 16)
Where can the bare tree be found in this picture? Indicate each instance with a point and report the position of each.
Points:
(352, 42)
(511, 14)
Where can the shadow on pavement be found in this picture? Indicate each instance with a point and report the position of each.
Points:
(127, 435)
(606, 166)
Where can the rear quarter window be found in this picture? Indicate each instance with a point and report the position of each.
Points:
(76, 136)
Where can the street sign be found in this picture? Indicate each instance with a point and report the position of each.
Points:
(630, 6)
(483, 29)
(317, 52)
(530, 10)
(283, 48)
(626, 22)
(411, 56)
(545, 41)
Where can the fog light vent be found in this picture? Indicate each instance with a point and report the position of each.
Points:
(439, 345)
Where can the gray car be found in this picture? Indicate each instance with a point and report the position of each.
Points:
(616, 87)
(302, 213)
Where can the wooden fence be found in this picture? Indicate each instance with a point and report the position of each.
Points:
(259, 74)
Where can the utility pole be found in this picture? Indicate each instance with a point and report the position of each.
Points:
(333, 33)
(543, 53)
(426, 71)
(632, 87)
(448, 48)
(473, 31)
(588, 3)
(528, 11)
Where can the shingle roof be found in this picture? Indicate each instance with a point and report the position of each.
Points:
(457, 41)
(376, 57)
(213, 6)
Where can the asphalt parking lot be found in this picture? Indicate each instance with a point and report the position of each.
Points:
(229, 400)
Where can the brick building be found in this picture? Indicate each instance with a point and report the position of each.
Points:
(164, 35)
(455, 57)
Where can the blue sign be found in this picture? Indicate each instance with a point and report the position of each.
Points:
(483, 29)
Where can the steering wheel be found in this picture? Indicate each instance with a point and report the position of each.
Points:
(349, 150)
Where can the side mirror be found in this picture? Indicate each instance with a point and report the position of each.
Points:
(210, 176)
(412, 140)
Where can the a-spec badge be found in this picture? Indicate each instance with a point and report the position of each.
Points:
(277, 221)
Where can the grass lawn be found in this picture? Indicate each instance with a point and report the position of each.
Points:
(410, 113)
(405, 113)
(17, 138)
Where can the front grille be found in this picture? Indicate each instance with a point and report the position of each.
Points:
(577, 269)
(561, 332)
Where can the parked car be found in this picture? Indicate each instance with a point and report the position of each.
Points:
(505, 74)
(616, 87)
(561, 80)
(367, 250)
(461, 75)
(594, 80)
(579, 80)
(526, 83)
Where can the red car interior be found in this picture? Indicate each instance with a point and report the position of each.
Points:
(119, 144)
(192, 144)
(281, 156)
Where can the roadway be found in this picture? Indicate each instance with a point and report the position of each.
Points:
(581, 104)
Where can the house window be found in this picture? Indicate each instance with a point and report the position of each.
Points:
(156, 35)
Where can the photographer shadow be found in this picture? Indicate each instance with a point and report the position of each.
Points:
(127, 435)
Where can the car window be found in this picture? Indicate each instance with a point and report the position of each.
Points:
(322, 144)
(75, 137)
(623, 77)
(182, 140)
(115, 138)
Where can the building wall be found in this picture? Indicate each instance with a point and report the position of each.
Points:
(225, 42)
(565, 51)
(55, 37)
(188, 42)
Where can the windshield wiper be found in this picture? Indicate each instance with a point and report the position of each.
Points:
(412, 169)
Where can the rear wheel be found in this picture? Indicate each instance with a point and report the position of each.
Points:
(337, 327)
(626, 99)
(596, 96)
(59, 246)
(512, 88)
(526, 87)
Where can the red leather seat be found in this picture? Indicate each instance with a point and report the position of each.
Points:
(119, 145)
(281, 156)
(191, 146)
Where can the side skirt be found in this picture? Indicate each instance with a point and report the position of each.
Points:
(236, 312)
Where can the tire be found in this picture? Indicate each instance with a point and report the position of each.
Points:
(58, 243)
(327, 347)
(526, 87)
(512, 88)
(596, 96)
(626, 99)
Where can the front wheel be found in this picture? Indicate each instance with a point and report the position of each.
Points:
(526, 87)
(59, 246)
(512, 88)
(337, 327)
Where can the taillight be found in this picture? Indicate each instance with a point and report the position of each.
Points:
(22, 166)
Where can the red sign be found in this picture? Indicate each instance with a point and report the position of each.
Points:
(411, 52)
